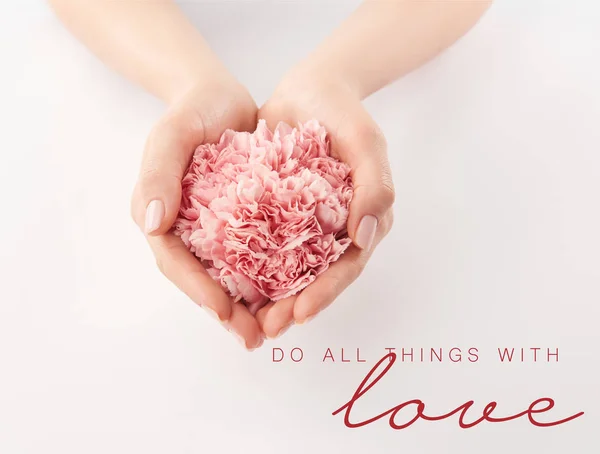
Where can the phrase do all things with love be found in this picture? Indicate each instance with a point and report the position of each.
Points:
(416, 408)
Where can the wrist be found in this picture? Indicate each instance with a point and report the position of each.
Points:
(208, 74)
(314, 79)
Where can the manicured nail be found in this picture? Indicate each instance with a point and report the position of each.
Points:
(365, 233)
(212, 313)
(155, 212)
(307, 319)
(239, 338)
(281, 331)
(260, 342)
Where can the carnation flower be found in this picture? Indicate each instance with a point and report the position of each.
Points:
(266, 212)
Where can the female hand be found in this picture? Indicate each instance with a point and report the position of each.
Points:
(356, 140)
(199, 116)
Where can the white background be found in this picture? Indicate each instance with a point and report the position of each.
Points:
(496, 160)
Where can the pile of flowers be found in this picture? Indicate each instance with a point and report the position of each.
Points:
(266, 211)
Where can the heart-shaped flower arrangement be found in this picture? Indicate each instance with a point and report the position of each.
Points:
(266, 212)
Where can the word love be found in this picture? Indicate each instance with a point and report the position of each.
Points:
(542, 405)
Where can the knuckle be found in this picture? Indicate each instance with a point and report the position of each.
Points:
(164, 258)
(378, 138)
(181, 123)
(386, 193)
(356, 269)
(149, 171)
(161, 265)
(388, 222)
(156, 172)
(370, 133)
(151, 179)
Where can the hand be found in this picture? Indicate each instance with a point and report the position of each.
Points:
(356, 140)
(200, 115)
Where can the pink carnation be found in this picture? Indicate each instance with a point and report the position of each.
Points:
(266, 212)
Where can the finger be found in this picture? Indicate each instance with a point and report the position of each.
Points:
(244, 327)
(329, 285)
(262, 312)
(178, 264)
(277, 317)
(157, 195)
(170, 146)
(273, 115)
(253, 308)
(187, 273)
(360, 143)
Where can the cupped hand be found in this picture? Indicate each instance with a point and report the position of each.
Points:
(200, 115)
(358, 141)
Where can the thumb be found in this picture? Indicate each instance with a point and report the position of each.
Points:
(363, 146)
(157, 195)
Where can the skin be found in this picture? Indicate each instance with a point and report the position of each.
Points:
(203, 99)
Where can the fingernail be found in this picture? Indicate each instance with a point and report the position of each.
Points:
(155, 212)
(239, 338)
(260, 342)
(365, 233)
(307, 319)
(281, 331)
(212, 313)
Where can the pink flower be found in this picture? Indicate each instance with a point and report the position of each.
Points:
(266, 212)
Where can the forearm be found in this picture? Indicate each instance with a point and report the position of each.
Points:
(150, 42)
(385, 39)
